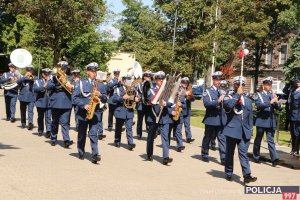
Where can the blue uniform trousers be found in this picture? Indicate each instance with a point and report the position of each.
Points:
(243, 145)
(165, 139)
(295, 134)
(111, 110)
(83, 125)
(176, 127)
(187, 126)
(118, 130)
(209, 133)
(43, 113)
(62, 117)
(270, 139)
(23, 108)
(10, 106)
(150, 139)
(100, 126)
(76, 116)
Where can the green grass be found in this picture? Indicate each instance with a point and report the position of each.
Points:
(198, 115)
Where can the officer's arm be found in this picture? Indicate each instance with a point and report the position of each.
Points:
(4, 78)
(21, 80)
(210, 103)
(261, 105)
(102, 89)
(37, 87)
(78, 99)
(116, 98)
(183, 103)
(229, 103)
(50, 85)
(112, 84)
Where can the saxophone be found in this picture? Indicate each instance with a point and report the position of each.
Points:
(178, 108)
(94, 101)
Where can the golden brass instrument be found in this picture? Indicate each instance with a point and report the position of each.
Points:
(130, 102)
(190, 91)
(178, 108)
(94, 101)
(62, 78)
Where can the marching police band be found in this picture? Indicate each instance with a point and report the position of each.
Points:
(228, 117)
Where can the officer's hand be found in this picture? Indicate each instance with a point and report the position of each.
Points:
(69, 85)
(240, 90)
(87, 107)
(274, 100)
(126, 97)
(221, 98)
(173, 113)
(11, 78)
(137, 99)
(188, 93)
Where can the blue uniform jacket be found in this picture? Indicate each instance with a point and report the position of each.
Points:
(5, 78)
(187, 110)
(213, 109)
(139, 90)
(295, 105)
(165, 117)
(59, 97)
(76, 85)
(121, 111)
(26, 93)
(82, 95)
(112, 85)
(265, 111)
(41, 94)
(238, 125)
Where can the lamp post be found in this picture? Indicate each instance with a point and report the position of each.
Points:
(174, 31)
(214, 44)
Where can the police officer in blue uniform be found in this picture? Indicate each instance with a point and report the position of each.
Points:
(266, 104)
(61, 106)
(123, 114)
(27, 96)
(294, 102)
(75, 81)
(238, 129)
(82, 98)
(112, 84)
(187, 110)
(42, 103)
(143, 106)
(10, 95)
(176, 126)
(212, 100)
(161, 122)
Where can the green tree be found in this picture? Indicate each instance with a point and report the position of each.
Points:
(292, 69)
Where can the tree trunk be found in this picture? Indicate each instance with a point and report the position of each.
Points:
(259, 48)
(56, 48)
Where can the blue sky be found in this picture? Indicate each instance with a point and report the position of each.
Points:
(117, 7)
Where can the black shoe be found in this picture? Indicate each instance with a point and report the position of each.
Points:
(117, 145)
(139, 137)
(81, 157)
(189, 140)
(277, 162)
(205, 159)
(133, 123)
(167, 160)
(249, 178)
(68, 143)
(109, 129)
(149, 158)
(123, 129)
(7, 118)
(12, 120)
(179, 149)
(213, 148)
(228, 178)
(40, 134)
(30, 126)
(223, 162)
(53, 143)
(95, 159)
(100, 137)
(256, 161)
(48, 134)
(23, 125)
(131, 146)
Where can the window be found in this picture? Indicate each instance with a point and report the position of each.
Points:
(269, 56)
(283, 54)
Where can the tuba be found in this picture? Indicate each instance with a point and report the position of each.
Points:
(94, 101)
(130, 102)
(62, 78)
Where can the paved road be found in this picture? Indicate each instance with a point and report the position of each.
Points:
(30, 168)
